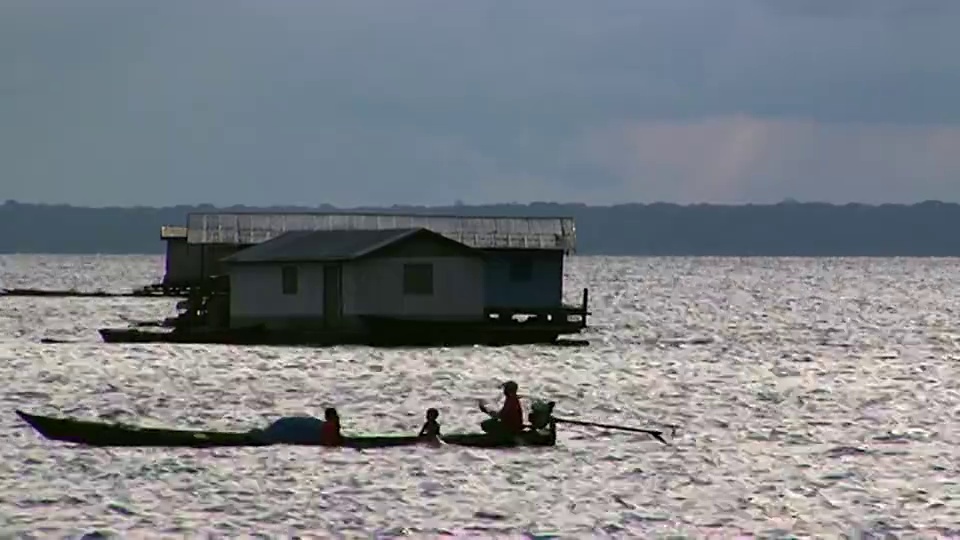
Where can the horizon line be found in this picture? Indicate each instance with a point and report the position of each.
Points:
(360, 209)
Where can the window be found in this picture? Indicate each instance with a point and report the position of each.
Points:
(521, 270)
(289, 279)
(418, 279)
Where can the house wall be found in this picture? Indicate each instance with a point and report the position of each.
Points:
(375, 287)
(256, 295)
(184, 264)
(372, 286)
(544, 288)
(190, 264)
(210, 255)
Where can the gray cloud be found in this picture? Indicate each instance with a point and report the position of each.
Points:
(833, 9)
(428, 101)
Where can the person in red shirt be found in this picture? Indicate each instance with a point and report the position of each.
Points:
(509, 419)
(330, 432)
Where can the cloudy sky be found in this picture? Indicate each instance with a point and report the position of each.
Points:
(353, 102)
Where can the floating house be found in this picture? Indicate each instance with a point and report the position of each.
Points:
(370, 277)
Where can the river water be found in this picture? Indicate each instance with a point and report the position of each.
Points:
(816, 398)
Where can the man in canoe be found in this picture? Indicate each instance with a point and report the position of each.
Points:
(508, 421)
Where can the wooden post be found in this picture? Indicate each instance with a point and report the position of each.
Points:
(583, 315)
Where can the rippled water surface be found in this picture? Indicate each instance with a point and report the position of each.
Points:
(816, 397)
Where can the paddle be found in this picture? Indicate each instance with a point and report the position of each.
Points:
(658, 435)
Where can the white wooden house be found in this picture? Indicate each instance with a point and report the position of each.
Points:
(332, 278)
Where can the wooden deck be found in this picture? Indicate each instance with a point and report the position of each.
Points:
(164, 289)
(565, 319)
(500, 326)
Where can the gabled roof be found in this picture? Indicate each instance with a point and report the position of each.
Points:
(329, 246)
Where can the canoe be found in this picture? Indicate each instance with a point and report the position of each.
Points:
(103, 434)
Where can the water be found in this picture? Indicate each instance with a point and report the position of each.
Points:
(817, 397)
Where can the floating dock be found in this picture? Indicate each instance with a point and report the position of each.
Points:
(500, 328)
(150, 291)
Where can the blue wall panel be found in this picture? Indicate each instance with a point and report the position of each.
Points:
(524, 278)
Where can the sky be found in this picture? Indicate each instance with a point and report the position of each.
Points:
(380, 102)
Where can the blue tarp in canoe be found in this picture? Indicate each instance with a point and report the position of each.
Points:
(293, 429)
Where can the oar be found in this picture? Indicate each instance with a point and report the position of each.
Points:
(658, 435)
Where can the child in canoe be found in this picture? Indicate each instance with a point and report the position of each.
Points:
(431, 428)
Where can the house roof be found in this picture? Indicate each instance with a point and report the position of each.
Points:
(483, 232)
(326, 246)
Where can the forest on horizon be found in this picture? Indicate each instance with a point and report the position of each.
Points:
(659, 229)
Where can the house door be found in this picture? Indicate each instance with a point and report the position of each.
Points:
(332, 294)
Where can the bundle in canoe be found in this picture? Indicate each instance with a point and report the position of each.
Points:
(103, 434)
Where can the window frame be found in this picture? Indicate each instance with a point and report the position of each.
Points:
(289, 280)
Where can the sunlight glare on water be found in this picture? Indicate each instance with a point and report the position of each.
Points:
(816, 397)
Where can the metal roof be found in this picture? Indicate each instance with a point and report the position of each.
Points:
(172, 231)
(320, 246)
(477, 232)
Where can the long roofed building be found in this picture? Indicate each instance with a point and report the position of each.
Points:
(518, 262)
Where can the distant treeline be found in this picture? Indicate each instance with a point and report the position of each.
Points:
(786, 229)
